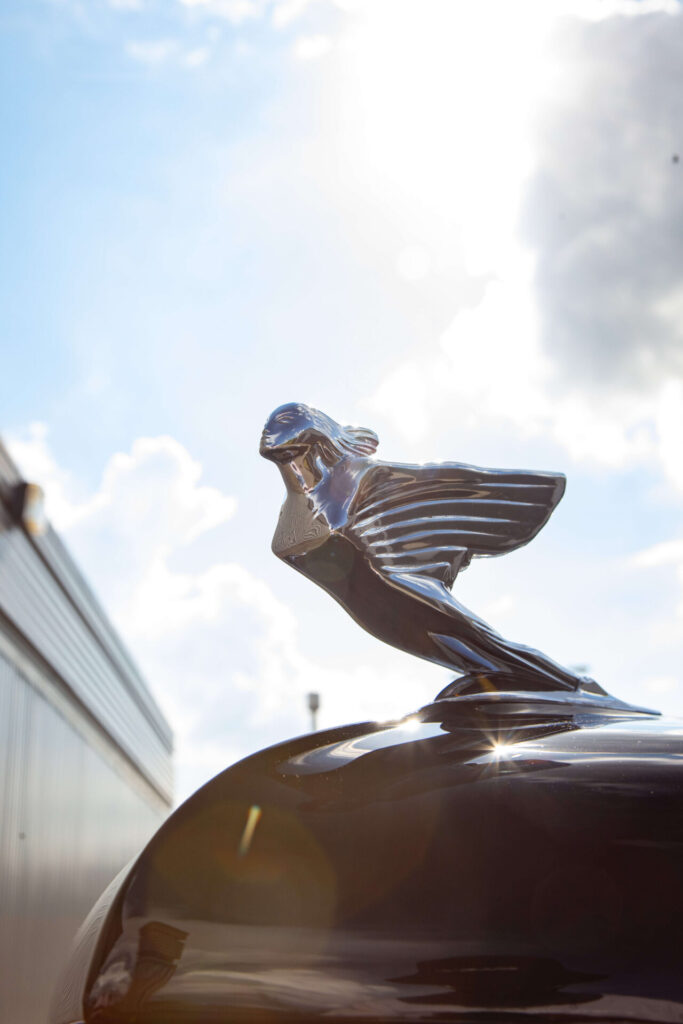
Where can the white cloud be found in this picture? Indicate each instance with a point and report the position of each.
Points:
(197, 57)
(311, 47)
(413, 263)
(158, 52)
(598, 10)
(287, 11)
(577, 334)
(283, 13)
(604, 207)
(661, 684)
(490, 366)
(668, 554)
(152, 52)
(234, 11)
(659, 565)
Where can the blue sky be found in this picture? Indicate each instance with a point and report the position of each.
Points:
(460, 225)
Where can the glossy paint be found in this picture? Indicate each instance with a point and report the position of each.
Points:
(387, 541)
(494, 857)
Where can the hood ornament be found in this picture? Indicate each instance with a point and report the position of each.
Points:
(388, 541)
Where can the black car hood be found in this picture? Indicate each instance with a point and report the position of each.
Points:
(494, 854)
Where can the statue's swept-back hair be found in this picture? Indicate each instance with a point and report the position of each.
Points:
(341, 441)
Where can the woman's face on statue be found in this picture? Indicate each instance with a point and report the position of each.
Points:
(283, 436)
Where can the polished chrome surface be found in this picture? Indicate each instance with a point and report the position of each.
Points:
(387, 541)
(490, 857)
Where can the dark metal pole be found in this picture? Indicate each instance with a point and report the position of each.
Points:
(313, 705)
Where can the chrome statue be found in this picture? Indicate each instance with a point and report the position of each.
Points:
(388, 541)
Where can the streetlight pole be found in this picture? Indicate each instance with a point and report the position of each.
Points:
(313, 705)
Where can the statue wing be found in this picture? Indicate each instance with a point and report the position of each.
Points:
(431, 520)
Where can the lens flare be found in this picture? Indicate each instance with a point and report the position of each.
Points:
(253, 818)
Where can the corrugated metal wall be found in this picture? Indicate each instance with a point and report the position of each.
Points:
(68, 822)
(85, 758)
(45, 598)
